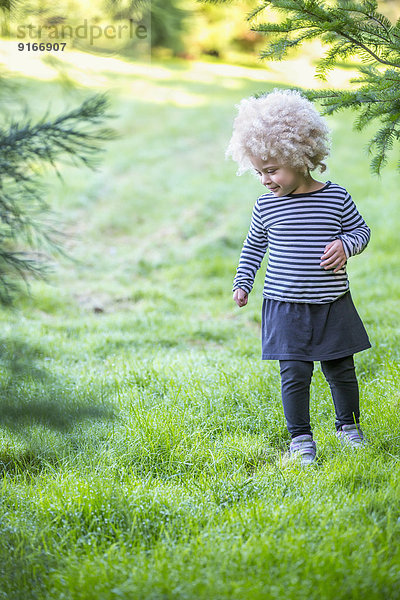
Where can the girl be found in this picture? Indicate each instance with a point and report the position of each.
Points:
(310, 229)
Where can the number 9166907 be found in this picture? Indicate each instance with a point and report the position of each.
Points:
(42, 46)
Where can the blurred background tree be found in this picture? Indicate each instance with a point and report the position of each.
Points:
(219, 31)
(185, 28)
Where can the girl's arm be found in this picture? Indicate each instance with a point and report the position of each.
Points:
(356, 233)
(253, 251)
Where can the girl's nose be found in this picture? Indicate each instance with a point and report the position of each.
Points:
(265, 179)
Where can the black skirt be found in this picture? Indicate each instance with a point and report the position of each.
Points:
(303, 331)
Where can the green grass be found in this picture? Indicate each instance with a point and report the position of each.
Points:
(142, 440)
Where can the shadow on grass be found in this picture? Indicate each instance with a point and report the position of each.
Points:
(25, 461)
(30, 394)
(22, 573)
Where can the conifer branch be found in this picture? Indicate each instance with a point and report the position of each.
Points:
(27, 235)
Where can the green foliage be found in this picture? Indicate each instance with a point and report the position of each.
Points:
(25, 147)
(7, 4)
(377, 98)
(168, 24)
(349, 27)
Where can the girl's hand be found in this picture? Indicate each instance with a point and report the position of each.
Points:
(334, 256)
(240, 297)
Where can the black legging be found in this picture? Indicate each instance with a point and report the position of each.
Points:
(296, 379)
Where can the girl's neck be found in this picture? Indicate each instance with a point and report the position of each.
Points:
(309, 184)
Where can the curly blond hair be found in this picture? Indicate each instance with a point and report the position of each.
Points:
(282, 125)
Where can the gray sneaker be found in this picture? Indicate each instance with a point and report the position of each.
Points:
(351, 435)
(303, 448)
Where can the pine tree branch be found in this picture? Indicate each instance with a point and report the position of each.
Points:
(368, 50)
(325, 21)
(46, 140)
(24, 146)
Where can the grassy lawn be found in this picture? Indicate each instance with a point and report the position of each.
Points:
(142, 438)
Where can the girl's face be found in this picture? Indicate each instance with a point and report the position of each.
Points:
(279, 179)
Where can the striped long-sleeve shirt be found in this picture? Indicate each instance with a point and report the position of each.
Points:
(295, 229)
